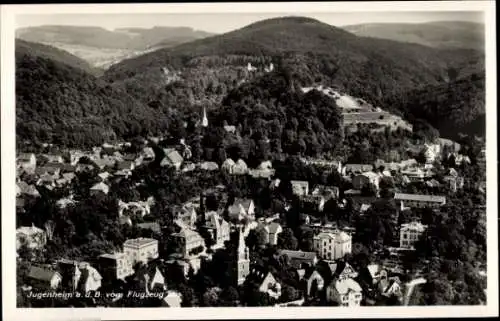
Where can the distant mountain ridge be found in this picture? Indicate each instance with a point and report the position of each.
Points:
(439, 34)
(101, 47)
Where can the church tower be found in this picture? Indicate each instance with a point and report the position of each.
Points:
(204, 121)
(243, 263)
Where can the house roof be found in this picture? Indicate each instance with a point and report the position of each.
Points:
(274, 227)
(100, 187)
(228, 162)
(299, 255)
(344, 286)
(42, 274)
(25, 157)
(127, 164)
(29, 230)
(173, 156)
(244, 202)
(209, 166)
(154, 226)
(415, 226)
(420, 197)
(358, 167)
(139, 242)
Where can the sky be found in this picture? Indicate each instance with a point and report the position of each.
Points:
(224, 22)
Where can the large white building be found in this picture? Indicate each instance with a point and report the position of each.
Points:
(419, 200)
(345, 292)
(141, 249)
(332, 246)
(410, 233)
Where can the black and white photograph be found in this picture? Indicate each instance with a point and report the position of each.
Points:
(327, 159)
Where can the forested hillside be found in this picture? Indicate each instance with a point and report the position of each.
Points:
(56, 103)
(452, 108)
(442, 34)
(49, 52)
(316, 52)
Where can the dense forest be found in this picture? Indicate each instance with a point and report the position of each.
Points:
(454, 107)
(56, 103)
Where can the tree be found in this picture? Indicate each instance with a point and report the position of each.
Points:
(287, 240)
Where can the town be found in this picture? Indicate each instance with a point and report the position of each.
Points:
(295, 232)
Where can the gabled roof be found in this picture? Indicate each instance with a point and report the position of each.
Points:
(244, 202)
(420, 197)
(100, 187)
(344, 286)
(173, 156)
(299, 255)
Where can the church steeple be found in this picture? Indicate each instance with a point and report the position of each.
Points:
(243, 263)
(204, 121)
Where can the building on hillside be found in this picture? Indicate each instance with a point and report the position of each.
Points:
(332, 246)
(313, 203)
(344, 292)
(356, 169)
(99, 189)
(419, 200)
(300, 259)
(115, 266)
(361, 180)
(227, 166)
(328, 192)
(300, 188)
(454, 182)
(191, 243)
(240, 168)
(28, 190)
(43, 278)
(31, 236)
(242, 209)
(410, 233)
(265, 281)
(172, 158)
(209, 166)
(219, 229)
(390, 287)
(312, 282)
(230, 129)
(271, 232)
(79, 276)
(432, 152)
(141, 249)
(27, 162)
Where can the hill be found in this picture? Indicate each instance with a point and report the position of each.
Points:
(102, 47)
(452, 108)
(440, 34)
(40, 50)
(57, 103)
(314, 52)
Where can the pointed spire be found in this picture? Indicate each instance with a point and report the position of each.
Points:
(204, 121)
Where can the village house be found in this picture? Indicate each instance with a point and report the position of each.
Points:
(344, 292)
(300, 259)
(148, 154)
(418, 200)
(416, 174)
(265, 281)
(27, 162)
(186, 213)
(240, 168)
(300, 188)
(114, 266)
(454, 182)
(151, 279)
(172, 158)
(332, 246)
(312, 282)
(271, 232)
(191, 243)
(48, 169)
(328, 192)
(152, 226)
(65, 201)
(361, 180)
(31, 236)
(227, 165)
(135, 208)
(53, 158)
(431, 152)
(27, 190)
(209, 166)
(313, 202)
(99, 189)
(219, 229)
(356, 169)
(390, 287)
(242, 209)
(188, 167)
(141, 249)
(44, 278)
(79, 276)
(230, 129)
(410, 233)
